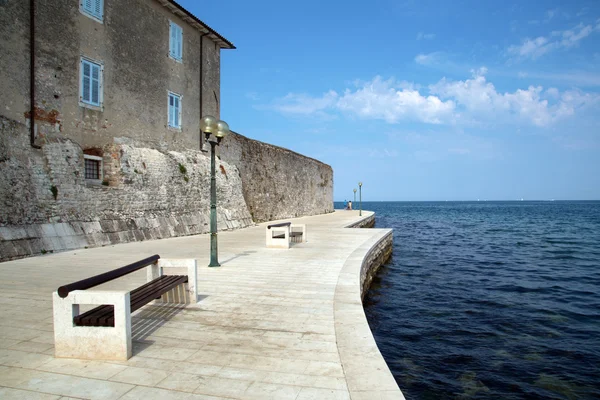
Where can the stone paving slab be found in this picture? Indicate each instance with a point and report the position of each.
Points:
(270, 323)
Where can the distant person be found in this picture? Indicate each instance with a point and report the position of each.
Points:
(350, 205)
(345, 204)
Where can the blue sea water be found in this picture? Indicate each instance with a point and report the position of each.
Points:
(490, 300)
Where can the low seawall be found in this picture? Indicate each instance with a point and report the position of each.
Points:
(367, 373)
(367, 222)
(375, 258)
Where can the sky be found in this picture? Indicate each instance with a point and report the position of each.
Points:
(421, 100)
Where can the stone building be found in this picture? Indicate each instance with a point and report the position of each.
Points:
(144, 70)
(116, 89)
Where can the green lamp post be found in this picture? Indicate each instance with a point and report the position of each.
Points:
(217, 130)
(360, 198)
(354, 195)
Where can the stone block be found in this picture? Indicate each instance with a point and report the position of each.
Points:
(108, 226)
(87, 342)
(63, 229)
(7, 250)
(113, 238)
(34, 231)
(139, 235)
(91, 227)
(77, 228)
(36, 245)
(48, 230)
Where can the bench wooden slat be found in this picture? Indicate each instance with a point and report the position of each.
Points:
(104, 315)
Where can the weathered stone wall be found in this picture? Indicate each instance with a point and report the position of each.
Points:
(374, 259)
(46, 204)
(279, 183)
(367, 222)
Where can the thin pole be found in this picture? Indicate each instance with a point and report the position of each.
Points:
(214, 258)
(360, 199)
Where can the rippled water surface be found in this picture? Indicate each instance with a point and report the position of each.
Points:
(490, 299)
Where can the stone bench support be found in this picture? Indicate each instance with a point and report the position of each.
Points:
(112, 343)
(275, 242)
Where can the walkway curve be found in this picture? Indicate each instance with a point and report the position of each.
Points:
(270, 324)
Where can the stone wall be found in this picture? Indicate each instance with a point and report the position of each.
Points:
(278, 183)
(367, 222)
(47, 205)
(375, 258)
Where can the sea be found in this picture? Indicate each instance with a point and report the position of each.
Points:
(490, 299)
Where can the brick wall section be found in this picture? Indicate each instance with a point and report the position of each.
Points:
(278, 183)
(147, 196)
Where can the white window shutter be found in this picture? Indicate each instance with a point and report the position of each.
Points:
(172, 39)
(91, 83)
(85, 81)
(176, 112)
(95, 84)
(179, 43)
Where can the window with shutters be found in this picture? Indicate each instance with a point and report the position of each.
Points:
(175, 41)
(92, 8)
(174, 110)
(90, 84)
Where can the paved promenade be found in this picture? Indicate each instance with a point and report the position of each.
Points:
(270, 323)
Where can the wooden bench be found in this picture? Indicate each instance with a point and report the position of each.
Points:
(282, 234)
(104, 332)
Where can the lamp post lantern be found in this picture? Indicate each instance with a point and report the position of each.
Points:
(360, 198)
(218, 129)
(354, 195)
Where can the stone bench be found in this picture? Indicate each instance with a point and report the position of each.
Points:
(104, 333)
(279, 236)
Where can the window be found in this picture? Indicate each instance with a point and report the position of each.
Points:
(90, 92)
(174, 110)
(92, 8)
(93, 167)
(175, 41)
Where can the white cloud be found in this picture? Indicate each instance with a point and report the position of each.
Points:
(478, 99)
(537, 47)
(425, 36)
(470, 101)
(303, 104)
(381, 99)
(429, 59)
(553, 93)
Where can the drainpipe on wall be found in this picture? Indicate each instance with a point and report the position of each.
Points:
(201, 62)
(32, 74)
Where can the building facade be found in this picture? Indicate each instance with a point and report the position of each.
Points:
(145, 70)
(100, 103)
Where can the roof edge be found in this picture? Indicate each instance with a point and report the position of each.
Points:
(177, 9)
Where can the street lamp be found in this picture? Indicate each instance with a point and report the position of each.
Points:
(219, 129)
(360, 197)
(354, 194)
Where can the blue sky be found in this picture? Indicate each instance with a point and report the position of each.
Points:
(421, 100)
